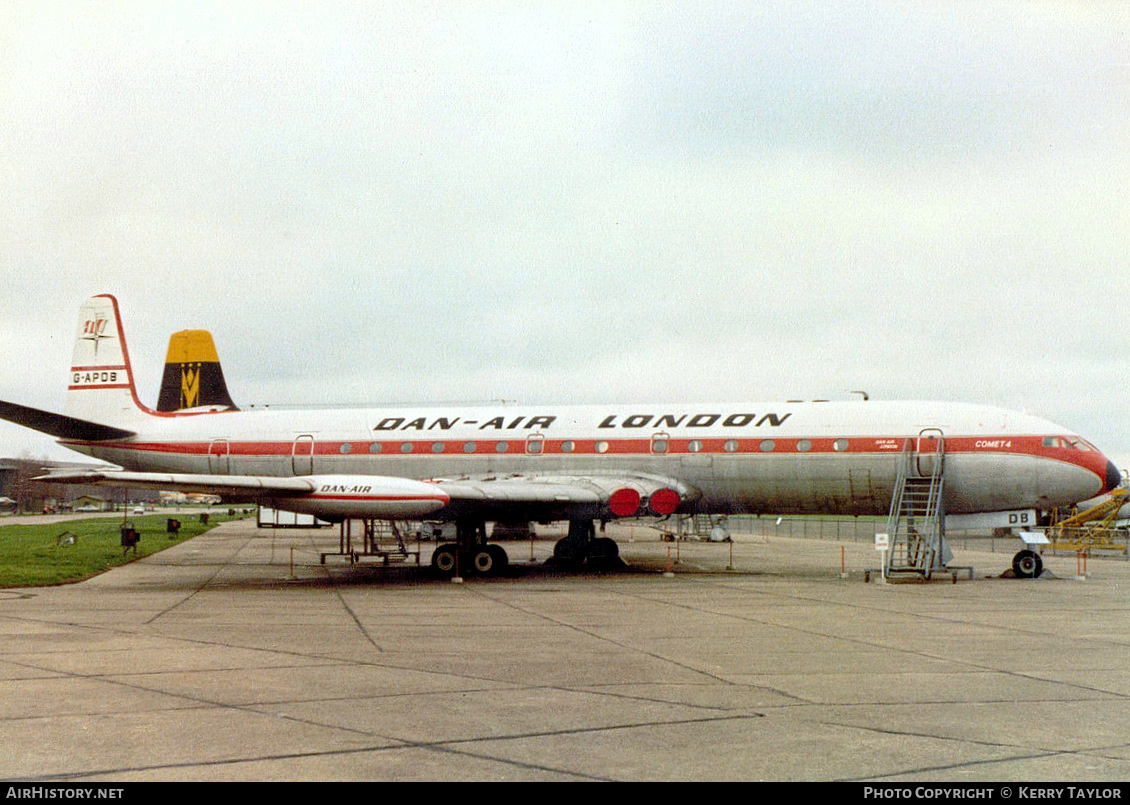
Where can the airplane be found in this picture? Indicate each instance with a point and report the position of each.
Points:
(585, 464)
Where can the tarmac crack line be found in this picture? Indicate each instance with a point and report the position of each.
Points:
(320, 657)
(123, 679)
(1026, 752)
(199, 587)
(1029, 752)
(885, 646)
(642, 652)
(360, 626)
(450, 746)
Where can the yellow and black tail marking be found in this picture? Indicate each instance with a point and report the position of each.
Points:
(193, 377)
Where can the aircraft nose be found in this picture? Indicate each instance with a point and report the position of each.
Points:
(1113, 476)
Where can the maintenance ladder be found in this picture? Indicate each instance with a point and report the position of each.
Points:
(381, 539)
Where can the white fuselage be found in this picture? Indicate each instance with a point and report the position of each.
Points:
(827, 457)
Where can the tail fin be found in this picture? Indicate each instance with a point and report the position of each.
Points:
(101, 387)
(193, 377)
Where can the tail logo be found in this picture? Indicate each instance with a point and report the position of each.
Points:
(94, 330)
(192, 377)
(189, 386)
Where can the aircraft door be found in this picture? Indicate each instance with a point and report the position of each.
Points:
(219, 457)
(696, 466)
(302, 455)
(535, 444)
(929, 451)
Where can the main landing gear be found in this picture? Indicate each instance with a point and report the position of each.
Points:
(582, 547)
(470, 553)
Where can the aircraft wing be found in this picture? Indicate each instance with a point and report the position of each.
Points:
(232, 485)
(541, 497)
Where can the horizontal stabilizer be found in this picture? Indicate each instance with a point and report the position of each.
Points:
(60, 426)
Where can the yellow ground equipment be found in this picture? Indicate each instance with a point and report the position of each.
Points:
(1092, 528)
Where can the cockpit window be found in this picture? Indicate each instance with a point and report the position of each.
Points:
(1069, 443)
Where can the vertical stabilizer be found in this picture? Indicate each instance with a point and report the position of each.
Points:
(100, 386)
(193, 377)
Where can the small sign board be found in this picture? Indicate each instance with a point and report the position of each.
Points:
(882, 541)
(1034, 538)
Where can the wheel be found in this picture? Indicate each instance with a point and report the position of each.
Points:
(567, 554)
(445, 560)
(1027, 564)
(603, 552)
(485, 561)
(501, 558)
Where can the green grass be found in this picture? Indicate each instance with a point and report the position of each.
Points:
(31, 557)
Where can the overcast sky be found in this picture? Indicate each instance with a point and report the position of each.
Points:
(577, 202)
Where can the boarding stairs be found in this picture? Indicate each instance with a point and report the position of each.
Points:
(916, 522)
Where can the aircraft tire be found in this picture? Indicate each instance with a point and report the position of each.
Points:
(1027, 564)
(445, 560)
(603, 552)
(485, 561)
(501, 558)
(567, 554)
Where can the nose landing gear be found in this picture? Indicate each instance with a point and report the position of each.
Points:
(1027, 564)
